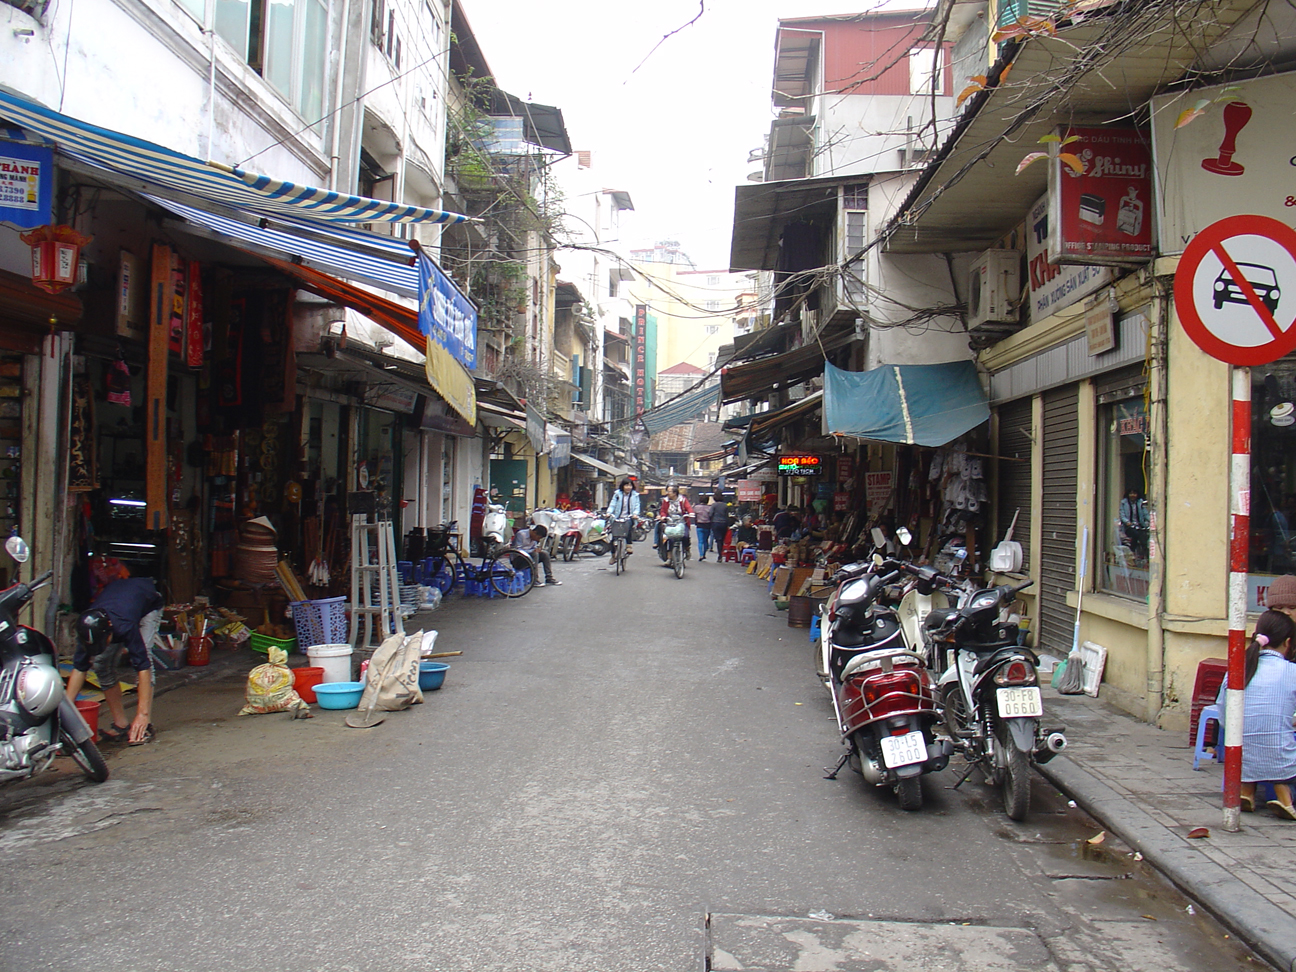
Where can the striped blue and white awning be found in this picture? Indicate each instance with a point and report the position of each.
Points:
(367, 258)
(228, 185)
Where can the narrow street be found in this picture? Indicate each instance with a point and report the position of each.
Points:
(610, 762)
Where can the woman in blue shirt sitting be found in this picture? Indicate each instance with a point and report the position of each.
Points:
(1268, 740)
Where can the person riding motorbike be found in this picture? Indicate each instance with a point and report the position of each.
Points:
(674, 505)
(624, 502)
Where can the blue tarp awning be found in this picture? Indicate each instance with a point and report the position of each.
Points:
(928, 405)
(228, 185)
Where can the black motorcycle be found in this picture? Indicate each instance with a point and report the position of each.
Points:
(988, 688)
(37, 720)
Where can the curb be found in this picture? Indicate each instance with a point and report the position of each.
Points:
(1247, 913)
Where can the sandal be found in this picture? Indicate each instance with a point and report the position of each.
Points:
(150, 732)
(1284, 810)
(1248, 803)
(114, 733)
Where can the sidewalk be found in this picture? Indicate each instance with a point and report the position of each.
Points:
(1138, 781)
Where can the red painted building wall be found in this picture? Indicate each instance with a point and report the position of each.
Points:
(864, 46)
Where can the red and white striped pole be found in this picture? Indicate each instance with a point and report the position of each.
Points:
(1239, 554)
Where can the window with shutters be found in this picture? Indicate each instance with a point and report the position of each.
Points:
(285, 41)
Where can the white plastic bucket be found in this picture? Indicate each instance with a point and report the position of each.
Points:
(334, 659)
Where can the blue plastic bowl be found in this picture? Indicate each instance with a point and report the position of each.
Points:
(431, 675)
(339, 695)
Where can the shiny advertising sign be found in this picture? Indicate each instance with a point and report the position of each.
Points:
(1054, 287)
(26, 184)
(1102, 215)
(640, 363)
(1236, 156)
(800, 465)
(445, 314)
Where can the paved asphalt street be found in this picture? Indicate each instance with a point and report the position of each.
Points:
(621, 774)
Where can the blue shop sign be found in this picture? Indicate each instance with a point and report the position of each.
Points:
(445, 314)
(26, 184)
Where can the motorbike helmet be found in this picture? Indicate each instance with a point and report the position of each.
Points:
(94, 630)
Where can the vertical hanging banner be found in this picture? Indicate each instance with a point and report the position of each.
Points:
(639, 369)
(449, 321)
(161, 307)
(193, 325)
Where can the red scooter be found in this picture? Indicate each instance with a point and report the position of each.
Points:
(882, 692)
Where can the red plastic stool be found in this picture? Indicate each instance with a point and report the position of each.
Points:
(748, 555)
(730, 554)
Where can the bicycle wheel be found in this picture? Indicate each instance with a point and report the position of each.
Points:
(677, 559)
(512, 573)
(618, 555)
(446, 571)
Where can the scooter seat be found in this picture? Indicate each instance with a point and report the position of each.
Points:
(938, 616)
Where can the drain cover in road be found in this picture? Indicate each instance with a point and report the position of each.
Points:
(765, 944)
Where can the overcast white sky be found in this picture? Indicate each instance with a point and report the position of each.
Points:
(676, 133)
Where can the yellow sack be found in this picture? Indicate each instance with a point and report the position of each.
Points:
(270, 688)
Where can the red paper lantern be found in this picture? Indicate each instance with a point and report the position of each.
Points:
(56, 254)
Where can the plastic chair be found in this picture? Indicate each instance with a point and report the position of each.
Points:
(748, 555)
(1210, 713)
(815, 620)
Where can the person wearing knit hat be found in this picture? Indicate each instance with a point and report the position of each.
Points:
(1281, 595)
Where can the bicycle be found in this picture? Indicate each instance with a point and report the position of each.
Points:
(621, 529)
(508, 571)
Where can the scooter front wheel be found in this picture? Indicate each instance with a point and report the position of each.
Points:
(86, 755)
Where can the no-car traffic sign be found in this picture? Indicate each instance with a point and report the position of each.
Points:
(1235, 289)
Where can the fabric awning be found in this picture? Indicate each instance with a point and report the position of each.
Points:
(498, 417)
(763, 375)
(388, 264)
(928, 405)
(778, 418)
(159, 166)
(681, 408)
(447, 376)
(599, 464)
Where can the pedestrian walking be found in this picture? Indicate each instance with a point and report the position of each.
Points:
(719, 523)
(702, 515)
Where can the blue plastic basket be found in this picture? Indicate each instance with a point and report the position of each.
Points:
(321, 622)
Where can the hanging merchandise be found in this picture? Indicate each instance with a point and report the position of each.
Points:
(83, 465)
(118, 380)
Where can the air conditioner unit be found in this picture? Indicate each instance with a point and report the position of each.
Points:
(994, 288)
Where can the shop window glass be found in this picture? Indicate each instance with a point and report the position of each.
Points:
(1273, 472)
(1125, 520)
(279, 45)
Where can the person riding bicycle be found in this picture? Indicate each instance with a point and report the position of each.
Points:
(674, 505)
(624, 503)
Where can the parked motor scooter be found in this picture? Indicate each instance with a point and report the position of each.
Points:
(594, 535)
(37, 720)
(988, 688)
(882, 691)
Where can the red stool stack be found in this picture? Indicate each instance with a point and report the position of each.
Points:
(1210, 676)
(730, 552)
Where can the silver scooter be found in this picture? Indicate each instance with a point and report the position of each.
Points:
(37, 720)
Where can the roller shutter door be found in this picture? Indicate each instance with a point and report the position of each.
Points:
(1058, 519)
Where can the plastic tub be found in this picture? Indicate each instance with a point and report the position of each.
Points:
(305, 679)
(431, 675)
(339, 695)
(334, 659)
(90, 713)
